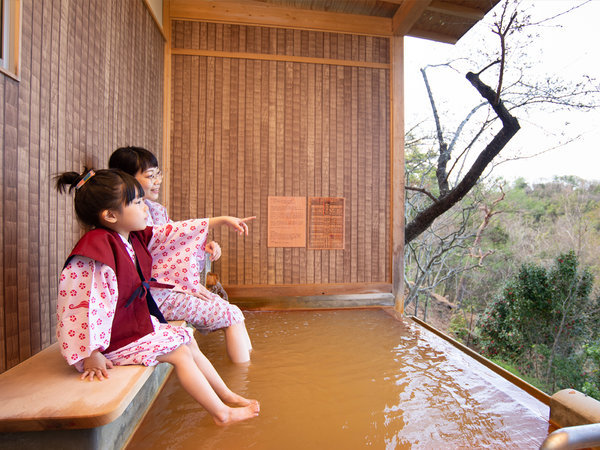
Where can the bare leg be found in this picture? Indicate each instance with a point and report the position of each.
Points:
(237, 340)
(247, 337)
(215, 380)
(238, 343)
(199, 386)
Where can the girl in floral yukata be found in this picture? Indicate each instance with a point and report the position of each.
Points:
(203, 309)
(106, 310)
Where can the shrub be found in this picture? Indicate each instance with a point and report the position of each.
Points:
(542, 321)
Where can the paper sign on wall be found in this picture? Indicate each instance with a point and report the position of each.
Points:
(286, 222)
(326, 223)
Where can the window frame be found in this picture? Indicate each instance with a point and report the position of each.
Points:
(10, 38)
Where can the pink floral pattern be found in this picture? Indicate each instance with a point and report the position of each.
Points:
(204, 315)
(177, 248)
(87, 299)
(157, 214)
(165, 339)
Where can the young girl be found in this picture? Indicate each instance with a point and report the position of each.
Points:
(203, 309)
(106, 312)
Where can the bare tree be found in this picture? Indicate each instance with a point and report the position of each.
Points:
(432, 260)
(505, 99)
(441, 237)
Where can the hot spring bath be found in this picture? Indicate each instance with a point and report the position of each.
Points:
(349, 379)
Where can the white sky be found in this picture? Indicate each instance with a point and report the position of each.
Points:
(570, 51)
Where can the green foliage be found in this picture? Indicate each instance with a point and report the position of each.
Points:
(515, 371)
(528, 323)
(458, 327)
(591, 372)
(418, 166)
(541, 323)
(537, 222)
(498, 236)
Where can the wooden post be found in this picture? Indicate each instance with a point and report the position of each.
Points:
(166, 147)
(397, 168)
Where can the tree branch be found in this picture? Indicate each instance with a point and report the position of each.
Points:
(422, 191)
(510, 127)
(445, 153)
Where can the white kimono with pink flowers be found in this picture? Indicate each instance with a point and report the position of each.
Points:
(157, 214)
(173, 266)
(88, 294)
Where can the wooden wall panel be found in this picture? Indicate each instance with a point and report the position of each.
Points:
(24, 263)
(2, 239)
(278, 41)
(2, 228)
(90, 81)
(245, 127)
(9, 234)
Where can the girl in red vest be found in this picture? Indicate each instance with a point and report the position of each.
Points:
(106, 310)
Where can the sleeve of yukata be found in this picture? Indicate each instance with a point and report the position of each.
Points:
(176, 249)
(157, 214)
(86, 304)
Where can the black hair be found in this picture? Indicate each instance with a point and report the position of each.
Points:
(105, 189)
(132, 160)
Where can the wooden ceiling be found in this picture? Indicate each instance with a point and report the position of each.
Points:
(438, 20)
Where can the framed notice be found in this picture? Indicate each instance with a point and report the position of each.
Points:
(326, 223)
(286, 222)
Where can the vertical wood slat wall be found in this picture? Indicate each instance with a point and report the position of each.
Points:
(260, 112)
(90, 81)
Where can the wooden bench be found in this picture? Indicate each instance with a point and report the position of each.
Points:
(44, 404)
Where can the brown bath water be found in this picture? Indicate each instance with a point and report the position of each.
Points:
(349, 379)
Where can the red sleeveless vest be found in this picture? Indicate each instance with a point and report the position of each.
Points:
(132, 319)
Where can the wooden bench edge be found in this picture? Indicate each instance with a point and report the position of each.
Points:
(103, 415)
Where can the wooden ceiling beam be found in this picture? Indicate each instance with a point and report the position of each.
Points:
(433, 36)
(407, 15)
(266, 14)
(444, 7)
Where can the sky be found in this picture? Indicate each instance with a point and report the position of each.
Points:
(570, 51)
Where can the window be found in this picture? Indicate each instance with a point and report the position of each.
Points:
(10, 33)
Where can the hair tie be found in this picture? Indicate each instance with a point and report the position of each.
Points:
(87, 176)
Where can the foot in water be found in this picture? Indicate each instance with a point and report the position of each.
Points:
(233, 399)
(233, 415)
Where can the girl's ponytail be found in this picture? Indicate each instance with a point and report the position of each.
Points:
(68, 180)
(97, 191)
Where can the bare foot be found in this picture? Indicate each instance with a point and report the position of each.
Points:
(233, 415)
(233, 399)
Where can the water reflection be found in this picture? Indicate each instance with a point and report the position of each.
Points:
(350, 379)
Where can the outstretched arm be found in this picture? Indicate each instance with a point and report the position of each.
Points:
(237, 224)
